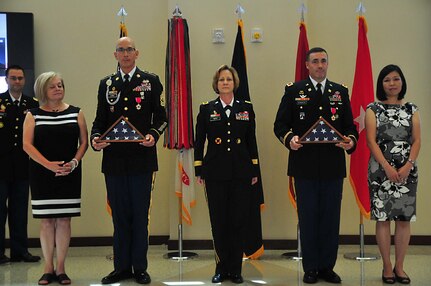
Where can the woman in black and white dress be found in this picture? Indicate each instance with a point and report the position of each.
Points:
(55, 137)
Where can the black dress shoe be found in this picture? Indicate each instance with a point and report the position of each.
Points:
(310, 277)
(116, 276)
(25, 257)
(402, 279)
(4, 259)
(236, 278)
(142, 277)
(329, 276)
(218, 278)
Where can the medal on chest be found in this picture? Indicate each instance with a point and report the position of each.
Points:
(138, 103)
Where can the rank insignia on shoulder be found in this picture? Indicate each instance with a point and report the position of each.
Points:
(204, 103)
(289, 84)
(344, 85)
(247, 101)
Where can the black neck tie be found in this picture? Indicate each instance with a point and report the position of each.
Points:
(125, 82)
(16, 102)
(319, 89)
(126, 77)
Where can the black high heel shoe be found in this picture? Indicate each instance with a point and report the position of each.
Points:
(388, 280)
(402, 279)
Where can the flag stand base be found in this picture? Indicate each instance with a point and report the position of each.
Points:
(292, 256)
(361, 256)
(296, 255)
(180, 254)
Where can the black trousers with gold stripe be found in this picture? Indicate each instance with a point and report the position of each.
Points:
(228, 207)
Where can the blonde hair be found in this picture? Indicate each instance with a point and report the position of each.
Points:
(217, 76)
(41, 84)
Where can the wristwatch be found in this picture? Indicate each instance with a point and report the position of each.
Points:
(412, 162)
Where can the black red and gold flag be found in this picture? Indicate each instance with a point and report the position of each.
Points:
(253, 241)
(179, 134)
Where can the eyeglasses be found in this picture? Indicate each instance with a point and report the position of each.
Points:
(19, 78)
(123, 50)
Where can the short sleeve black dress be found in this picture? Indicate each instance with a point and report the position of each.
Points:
(56, 136)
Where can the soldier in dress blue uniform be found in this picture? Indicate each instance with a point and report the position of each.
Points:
(129, 167)
(318, 169)
(228, 170)
(14, 185)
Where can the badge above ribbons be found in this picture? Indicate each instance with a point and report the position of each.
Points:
(122, 131)
(322, 132)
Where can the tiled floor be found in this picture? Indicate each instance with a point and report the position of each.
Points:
(87, 265)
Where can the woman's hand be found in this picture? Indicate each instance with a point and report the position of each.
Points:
(58, 167)
(391, 173)
(404, 172)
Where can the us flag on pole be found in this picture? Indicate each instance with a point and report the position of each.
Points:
(122, 131)
(322, 132)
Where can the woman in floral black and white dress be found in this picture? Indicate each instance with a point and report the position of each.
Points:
(393, 136)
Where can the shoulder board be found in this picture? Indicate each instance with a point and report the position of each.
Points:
(109, 76)
(150, 73)
(204, 103)
(247, 101)
(289, 84)
(344, 85)
(35, 99)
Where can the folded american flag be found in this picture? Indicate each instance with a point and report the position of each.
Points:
(322, 132)
(122, 131)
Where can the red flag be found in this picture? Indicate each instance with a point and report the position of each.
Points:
(179, 134)
(178, 86)
(301, 73)
(362, 95)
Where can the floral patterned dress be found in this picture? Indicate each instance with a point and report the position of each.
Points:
(393, 201)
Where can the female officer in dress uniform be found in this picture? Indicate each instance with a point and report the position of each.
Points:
(228, 170)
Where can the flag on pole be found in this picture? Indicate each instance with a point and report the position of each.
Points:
(253, 241)
(179, 134)
(301, 73)
(184, 184)
(362, 95)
